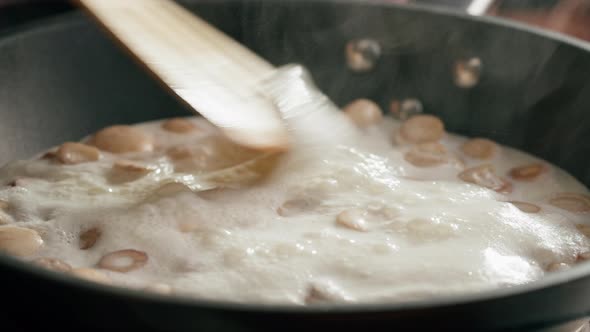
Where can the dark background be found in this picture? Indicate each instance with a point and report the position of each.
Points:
(571, 17)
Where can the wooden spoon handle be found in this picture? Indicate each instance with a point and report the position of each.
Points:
(208, 70)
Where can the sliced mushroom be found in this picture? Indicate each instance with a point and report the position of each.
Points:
(122, 139)
(427, 155)
(364, 112)
(362, 54)
(48, 155)
(526, 207)
(485, 176)
(325, 291)
(71, 153)
(89, 237)
(479, 148)
(53, 264)
(527, 172)
(159, 288)
(130, 166)
(555, 267)
(127, 171)
(123, 260)
(573, 202)
(424, 160)
(467, 72)
(179, 125)
(19, 241)
(422, 129)
(405, 109)
(354, 219)
(91, 275)
(431, 147)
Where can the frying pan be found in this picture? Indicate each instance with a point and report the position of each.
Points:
(62, 79)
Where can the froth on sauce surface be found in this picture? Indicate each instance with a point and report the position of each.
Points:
(363, 208)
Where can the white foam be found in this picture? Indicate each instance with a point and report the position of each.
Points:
(441, 235)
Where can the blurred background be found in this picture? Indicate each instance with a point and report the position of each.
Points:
(571, 17)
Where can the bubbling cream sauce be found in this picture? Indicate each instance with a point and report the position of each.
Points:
(354, 212)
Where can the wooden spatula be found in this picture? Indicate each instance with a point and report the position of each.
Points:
(212, 73)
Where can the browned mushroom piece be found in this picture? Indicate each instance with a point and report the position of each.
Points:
(123, 260)
(479, 148)
(362, 54)
(527, 172)
(91, 275)
(129, 166)
(364, 112)
(48, 155)
(354, 219)
(427, 155)
(122, 139)
(422, 129)
(159, 288)
(53, 264)
(431, 147)
(89, 237)
(127, 171)
(573, 202)
(466, 72)
(405, 109)
(71, 153)
(325, 292)
(485, 176)
(179, 125)
(18, 241)
(555, 267)
(526, 207)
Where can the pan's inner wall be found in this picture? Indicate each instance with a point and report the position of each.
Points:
(67, 80)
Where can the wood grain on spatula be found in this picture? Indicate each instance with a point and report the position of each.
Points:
(209, 71)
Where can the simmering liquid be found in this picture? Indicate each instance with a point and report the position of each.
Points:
(363, 208)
